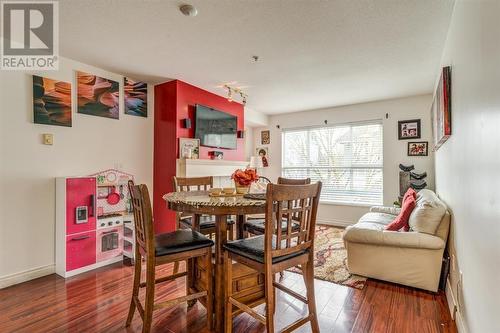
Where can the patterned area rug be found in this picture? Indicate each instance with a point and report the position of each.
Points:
(330, 258)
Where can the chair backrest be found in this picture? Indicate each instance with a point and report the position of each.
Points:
(293, 204)
(192, 184)
(143, 217)
(290, 181)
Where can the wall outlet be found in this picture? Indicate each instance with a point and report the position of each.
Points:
(48, 139)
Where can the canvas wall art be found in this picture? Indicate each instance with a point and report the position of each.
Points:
(98, 96)
(441, 109)
(136, 97)
(51, 102)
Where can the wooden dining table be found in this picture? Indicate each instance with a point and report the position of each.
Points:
(248, 284)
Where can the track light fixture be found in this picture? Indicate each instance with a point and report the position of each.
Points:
(236, 91)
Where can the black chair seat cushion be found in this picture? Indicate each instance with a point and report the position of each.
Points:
(206, 221)
(258, 226)
(180, 241)
(253, 249)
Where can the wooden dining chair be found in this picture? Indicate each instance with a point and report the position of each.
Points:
(276, 251)
(206, 223)
(163, 249)
(255, 225)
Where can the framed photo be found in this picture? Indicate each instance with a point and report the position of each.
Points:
(189, 148)
(97, 96)
(441, 109)
(263, 153)
(265, 137)
(420, 148)
(409, 129)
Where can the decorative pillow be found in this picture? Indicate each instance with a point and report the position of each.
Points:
(401, 221)
(428, 213)
(409, 192)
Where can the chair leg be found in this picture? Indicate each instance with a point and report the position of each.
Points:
(150, 295)
(228, 265)
(135, 290)
(270, 301)
(210, 291)
(308, 274)
(190, 280)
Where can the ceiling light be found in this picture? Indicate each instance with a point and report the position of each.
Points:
(188, 10)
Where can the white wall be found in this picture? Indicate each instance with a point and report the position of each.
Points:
(28, 168)
(467, 164)
(395, 151)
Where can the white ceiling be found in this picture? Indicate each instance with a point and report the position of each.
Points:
(313, 54)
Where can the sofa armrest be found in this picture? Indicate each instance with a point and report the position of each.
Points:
(386, 210)
(393, 238)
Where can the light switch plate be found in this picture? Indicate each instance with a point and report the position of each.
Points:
(48, 139)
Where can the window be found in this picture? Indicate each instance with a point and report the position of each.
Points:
(347, 158)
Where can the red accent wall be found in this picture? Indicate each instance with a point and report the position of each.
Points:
(174, 101)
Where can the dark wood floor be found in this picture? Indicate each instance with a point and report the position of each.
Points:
(98, 302)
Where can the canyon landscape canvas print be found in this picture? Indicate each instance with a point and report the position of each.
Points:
(136, 97)
(51, 102)
(98, 96)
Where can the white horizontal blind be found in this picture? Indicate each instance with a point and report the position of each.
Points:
(347, 159)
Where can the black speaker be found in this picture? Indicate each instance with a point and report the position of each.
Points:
(240, 134)
(186, 123)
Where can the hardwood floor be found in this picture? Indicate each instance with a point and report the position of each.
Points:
(98, 302)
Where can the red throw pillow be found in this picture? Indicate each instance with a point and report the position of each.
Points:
(401, 221)
(409, 193)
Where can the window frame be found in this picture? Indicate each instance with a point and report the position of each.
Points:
(358, 167)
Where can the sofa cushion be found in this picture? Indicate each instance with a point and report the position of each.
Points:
(401, 221)
(377, 218)
(428, 213)
(387, 210)
(374, 233)
(410, 192)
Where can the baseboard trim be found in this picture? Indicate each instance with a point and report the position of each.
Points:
(335, 222)
(12, 279)
(452, 305)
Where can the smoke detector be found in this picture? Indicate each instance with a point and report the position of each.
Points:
(188, 10)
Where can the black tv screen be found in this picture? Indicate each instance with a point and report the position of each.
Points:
(215, 128)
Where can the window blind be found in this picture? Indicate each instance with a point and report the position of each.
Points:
(347, 159)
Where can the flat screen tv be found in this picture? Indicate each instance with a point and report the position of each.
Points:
(215, 128)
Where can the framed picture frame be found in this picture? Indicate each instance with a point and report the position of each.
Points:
(409, 129)
(265, 137)
(263, 153)
(420, 148)
(441, 109)
(189, 148)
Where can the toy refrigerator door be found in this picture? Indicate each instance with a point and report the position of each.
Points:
(80, 250)
(80, 205)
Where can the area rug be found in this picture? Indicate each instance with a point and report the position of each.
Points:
(330, 258)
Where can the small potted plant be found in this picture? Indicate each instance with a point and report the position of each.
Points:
(243, 179)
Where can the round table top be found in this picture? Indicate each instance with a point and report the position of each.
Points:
(201, 202)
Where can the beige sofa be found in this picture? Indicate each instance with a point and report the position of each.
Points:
(410, 258)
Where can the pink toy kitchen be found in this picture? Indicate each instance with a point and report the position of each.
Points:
(94, 222)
